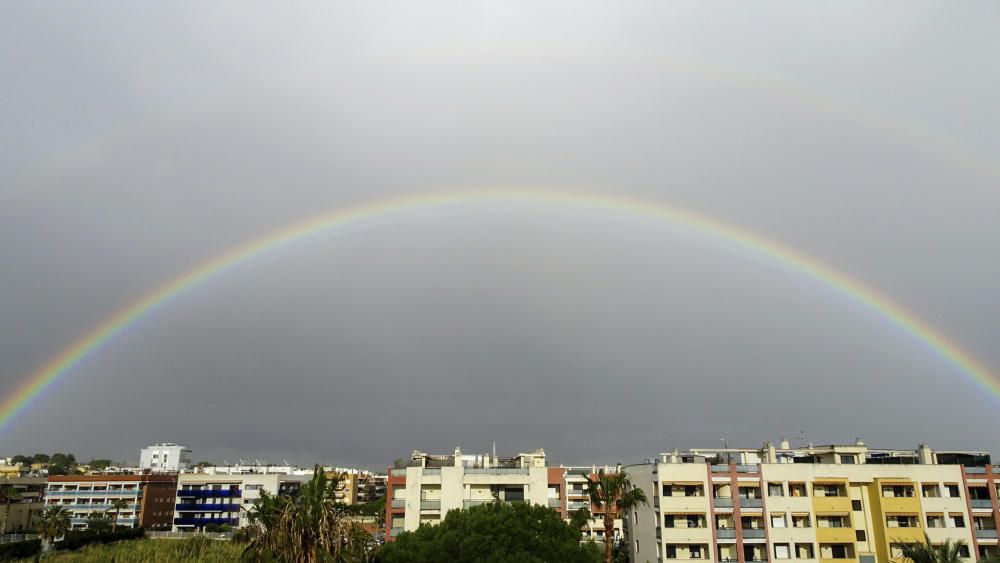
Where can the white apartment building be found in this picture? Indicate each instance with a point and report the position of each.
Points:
(203, 499)
(432, 485)
(166, 456)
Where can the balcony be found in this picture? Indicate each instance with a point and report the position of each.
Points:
(430, 505)
(577, 505)
(470, 503)
(209, 493)
(432, 471)
(393, 532)
(747, 468)
(974, 470)
(752, 534)
(986, 534)
(720, 468)
(497, 471)
(723, 502)
(399, 503)
(208, 507)
(205, 521)
(398, 473)
(555, 503)
(725, 533)
(981, 503)
(751, 503)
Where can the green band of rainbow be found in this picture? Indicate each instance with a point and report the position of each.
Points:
(17, 401)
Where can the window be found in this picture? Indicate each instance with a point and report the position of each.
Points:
(781, 551)
(804, 550)
(952, 490)
(801, 521)
(859, 535)
(956, 520)
(693, 491)
(901, 521)
(848, 459)
(671, 551)
(828, 490)
(896, 550)
(695, 551)
(935, 521)
(930, 490)
(668, 520)
(963, 550)
(897, 491)
(832, 522)
(775, 490)
(797, 489)
(856, 505)
(778, 520)
(668, 491)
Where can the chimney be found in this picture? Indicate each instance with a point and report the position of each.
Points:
(784, 444)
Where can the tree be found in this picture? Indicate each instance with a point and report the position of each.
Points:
(8, 495)
(117, 505)
(615, 493)
(53, 524)
(39, 458)
(100, 464)
(310, 527)
(927, 552)
(99, 522)
(498, 533)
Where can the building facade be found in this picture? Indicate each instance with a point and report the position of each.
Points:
(26, 494)
(149, 498)
(225, 500)
(821, 504)
(431, 485)
(165, 457)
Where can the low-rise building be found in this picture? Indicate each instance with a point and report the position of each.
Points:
(149, 498)
(225, 500)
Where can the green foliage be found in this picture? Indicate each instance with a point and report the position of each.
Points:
(192, 550)
(616, 494)
(100, 464)
(311, 527)
(498, 533)
(77, 539)
(98, 523)
(53, 523)
(20, 550)
(927, 552)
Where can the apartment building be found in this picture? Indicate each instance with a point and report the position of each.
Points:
(149, 498)
(225, 499)
(823, 504)
(165, 456)
(431, 485)
(28, 494)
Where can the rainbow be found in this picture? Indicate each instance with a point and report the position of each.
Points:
(62, 364)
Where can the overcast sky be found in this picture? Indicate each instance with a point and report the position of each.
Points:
(140, 140)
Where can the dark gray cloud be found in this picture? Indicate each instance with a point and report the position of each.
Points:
(139, 141)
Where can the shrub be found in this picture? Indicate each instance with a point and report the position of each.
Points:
(20, 550)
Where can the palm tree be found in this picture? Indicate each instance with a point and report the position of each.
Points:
(53, 524)
(310, 527)
(615, 493)
(117, 505)
(9, 495)
(927, 552)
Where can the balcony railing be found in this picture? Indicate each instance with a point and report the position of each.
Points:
(430, 505)
(399, 503)
(751, 502)
(209, 493)
(432, 471)
(720, 468)
(471, 503)
(986, 534)
(725, 533)
(83, 506)
(393, 532)
(747, 468)
(208, 508)
(574, 505)
(497, 471)
(981, 503)
(398, 472)
(555, 503)
(721, 502)
(975, 470)
(95, 494)
(751, 534)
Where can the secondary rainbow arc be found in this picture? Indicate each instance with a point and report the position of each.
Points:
(51, 371)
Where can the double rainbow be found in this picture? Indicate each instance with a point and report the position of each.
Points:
(34, 385)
